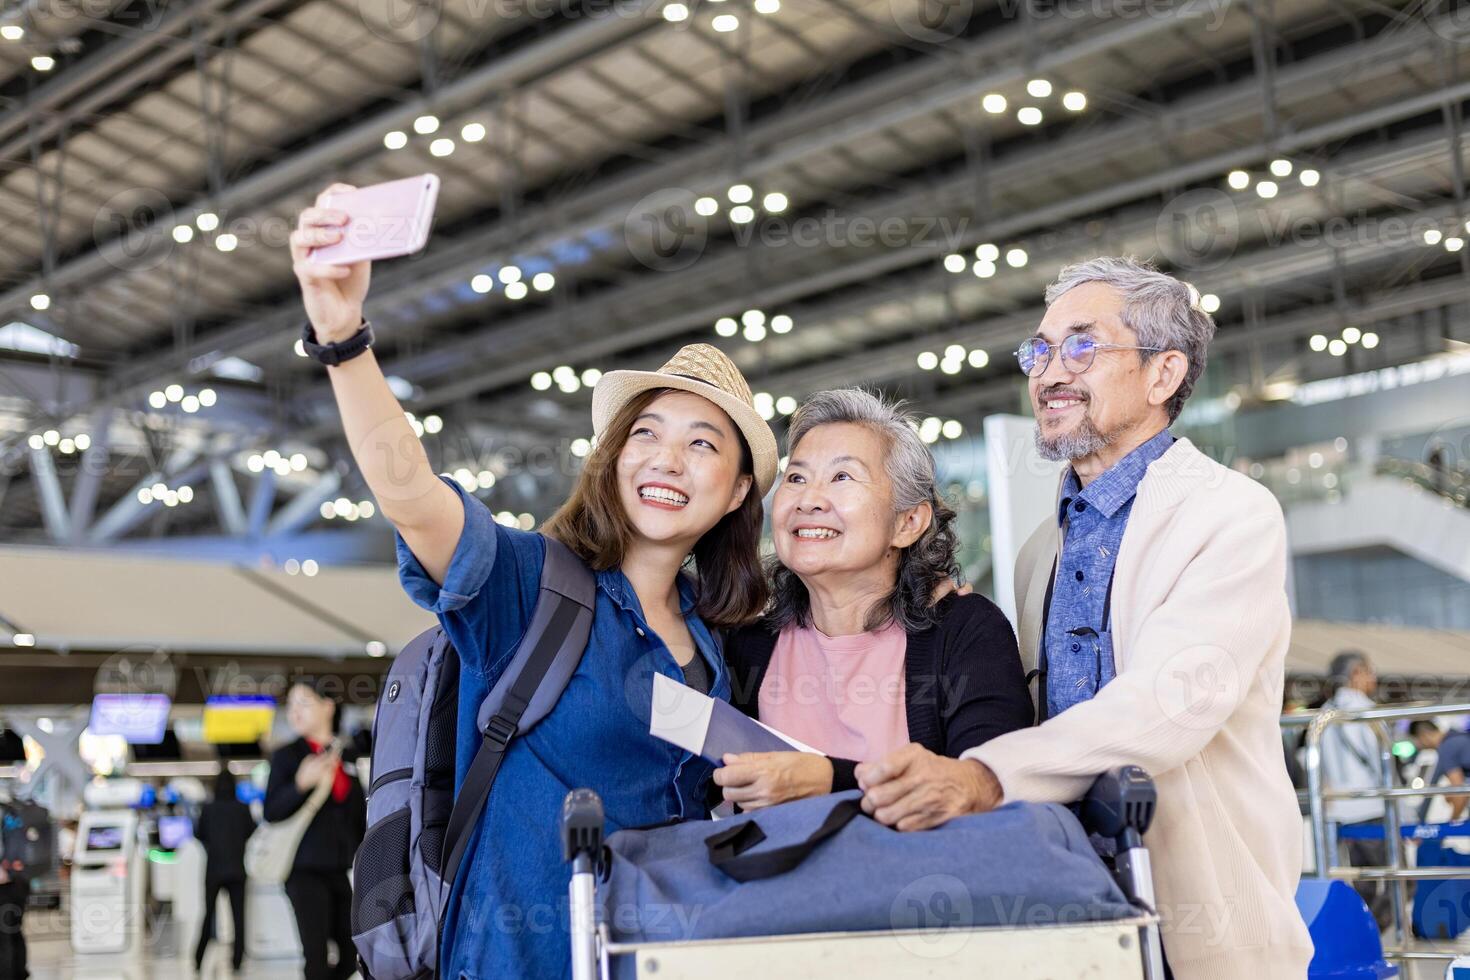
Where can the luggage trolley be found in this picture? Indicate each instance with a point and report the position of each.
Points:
(1119, 807)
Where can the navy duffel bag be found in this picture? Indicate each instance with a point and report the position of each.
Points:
(821, 865)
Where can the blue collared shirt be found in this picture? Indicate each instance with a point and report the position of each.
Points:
(507, 911)
(1079, 647)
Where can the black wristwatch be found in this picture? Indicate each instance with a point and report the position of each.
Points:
(334, 354)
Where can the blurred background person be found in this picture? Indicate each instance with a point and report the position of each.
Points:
(223, 827)
(319, 889)
(1352, 760)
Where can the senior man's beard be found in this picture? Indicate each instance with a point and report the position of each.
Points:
(1083, 440)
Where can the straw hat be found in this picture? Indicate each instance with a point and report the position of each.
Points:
(701, 370)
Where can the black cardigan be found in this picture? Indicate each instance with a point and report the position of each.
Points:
(332, 837)
(963, 682)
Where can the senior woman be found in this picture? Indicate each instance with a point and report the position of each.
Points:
(854, 658)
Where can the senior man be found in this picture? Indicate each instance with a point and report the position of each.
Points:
(1153, 610)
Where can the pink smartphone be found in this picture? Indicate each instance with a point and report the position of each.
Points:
(384, 220)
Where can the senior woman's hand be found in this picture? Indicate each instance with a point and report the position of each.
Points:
(915, 789)
(757, 779)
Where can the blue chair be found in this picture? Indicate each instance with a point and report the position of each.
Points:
(1343, 930)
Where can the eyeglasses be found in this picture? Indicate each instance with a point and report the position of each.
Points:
(1078, 352)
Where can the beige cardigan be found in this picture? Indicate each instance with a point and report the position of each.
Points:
(1200, 625)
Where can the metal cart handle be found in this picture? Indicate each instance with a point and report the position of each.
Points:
(1120, 805)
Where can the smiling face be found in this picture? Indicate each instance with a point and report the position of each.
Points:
(1080, 415)
(679, 470)
(832, 514)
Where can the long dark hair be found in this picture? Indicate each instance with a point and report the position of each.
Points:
(595, 525)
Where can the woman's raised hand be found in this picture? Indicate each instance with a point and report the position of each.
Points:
(333, 294)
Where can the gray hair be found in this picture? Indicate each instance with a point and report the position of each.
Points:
(1162, 311)
(910, 469)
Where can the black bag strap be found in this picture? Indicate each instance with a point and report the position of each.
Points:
(556, 638)
(727, 850)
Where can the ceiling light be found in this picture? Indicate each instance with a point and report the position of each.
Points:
(206, 221)
(12, 32)
(774, 202)
(190, 404)
(1370, 340)
(540, 381)
(1309, 178)
(706, 207)
(984, 269)
(994, 103)
(509, 274)
(978, 358)
(987, 252)
(676, 13)
(1281, 168)
(36, 442)
(742, 214)
(1352, 335)
(785, 404)
(952, 429)
(740, 194)
(433, 425)
(482, 283)
(186, 494)
(755, 332)
(299, 348)
(1016, 257)
(954, 352)
(1454, 243)
(1029, 115)
(40, 301)
(569, 384)
(1238, 180)
(424, 125)
(156, 399)
(1266, 189)
(1074, 101)
(51, 437)
(516, 290)
(1337, 347)
(83, 441)
(145, 496)
(395, 139)
(951, 367)
(580, 448)
(1209, 302)
(472, 132)
(1432, 236)
(442, 147)
(183, 234)
(726, 326)
(725, 23)
(1318, 342)
(174, 393)
(226, 242)
(542, 282)
(750, 317)
(928, 360)
(1038, 88)
(43, 62)
(954, 263)
(591, 376)
(767, 6)
(781, 323)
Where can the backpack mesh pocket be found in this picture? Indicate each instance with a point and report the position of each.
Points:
(382, 889)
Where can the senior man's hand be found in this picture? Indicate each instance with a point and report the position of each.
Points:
(914, 789)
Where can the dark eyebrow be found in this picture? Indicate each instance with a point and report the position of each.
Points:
(710, 426)
(649, 415)
(1078, 326)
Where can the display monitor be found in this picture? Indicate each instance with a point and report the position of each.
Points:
(104, 837)
(173, 831)
(238, 718)
(141, 719)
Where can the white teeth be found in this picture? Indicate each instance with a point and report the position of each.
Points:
(1060, 403)
(663, 495)
(816, 532)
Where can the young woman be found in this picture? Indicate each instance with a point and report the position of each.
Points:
(681, 463)
(320, 893)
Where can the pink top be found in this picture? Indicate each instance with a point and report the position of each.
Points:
(842, 695)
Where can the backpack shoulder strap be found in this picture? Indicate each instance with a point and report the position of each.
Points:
(544, 661)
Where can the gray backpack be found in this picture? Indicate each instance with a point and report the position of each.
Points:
(417, 827)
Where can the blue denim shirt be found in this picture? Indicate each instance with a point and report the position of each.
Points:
(507, 914)
(1094, 519)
